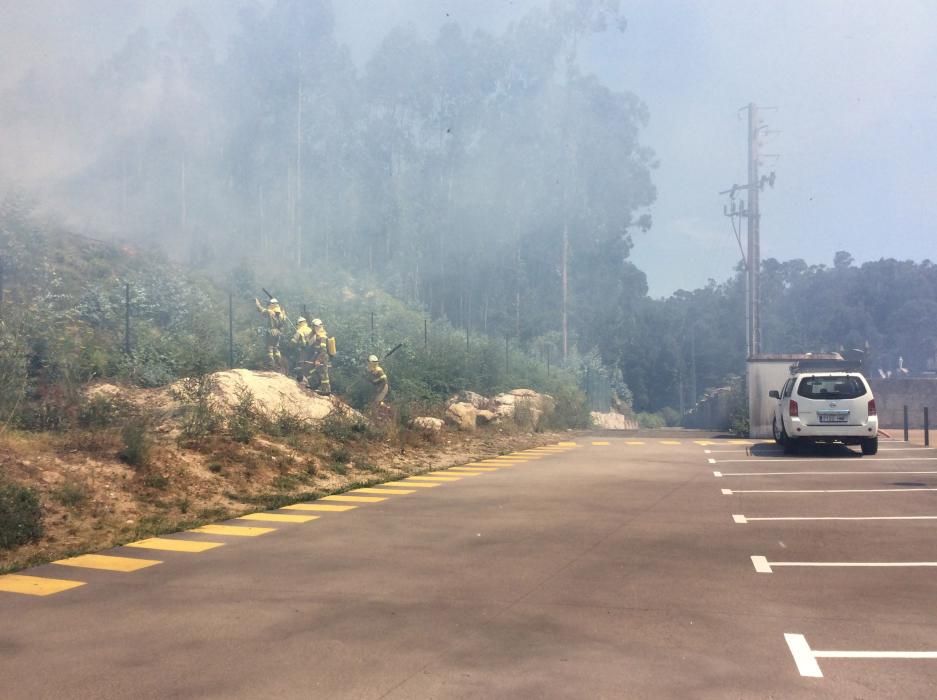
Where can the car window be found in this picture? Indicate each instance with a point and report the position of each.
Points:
(831, 387)
(788, 386)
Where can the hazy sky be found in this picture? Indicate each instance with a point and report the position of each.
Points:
(853, 84)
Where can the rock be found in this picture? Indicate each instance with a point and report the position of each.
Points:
(484, 417)
(477, 400)
(525, 406)
(462, 415)
(613, 421)
(427, 424)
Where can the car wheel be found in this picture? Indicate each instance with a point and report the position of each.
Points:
(778, 435)
(870, 446)
(788, 443)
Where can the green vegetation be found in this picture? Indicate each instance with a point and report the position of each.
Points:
(20, 515)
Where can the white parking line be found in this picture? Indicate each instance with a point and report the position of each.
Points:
(743, 519)
(729, 492)
(763, 566)
(806, 658)
(711, 461)
(827, 459)
(721, 474)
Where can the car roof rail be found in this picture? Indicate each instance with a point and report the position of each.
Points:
(828, 365)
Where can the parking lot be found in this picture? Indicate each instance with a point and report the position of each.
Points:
(842, 546)
(680, 566)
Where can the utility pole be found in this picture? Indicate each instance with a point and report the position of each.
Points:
(754, 231)
(751, 255)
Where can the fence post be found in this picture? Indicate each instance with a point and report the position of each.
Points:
(230, 331)
(425, 335)
(926, 428)
(548, 360)
(372, 329)
(905, 423)
(506, 361)
(127, 319)
(1, 287)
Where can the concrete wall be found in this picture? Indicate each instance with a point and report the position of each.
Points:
(891, 395)
(763, 376)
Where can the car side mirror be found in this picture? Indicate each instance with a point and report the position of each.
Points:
(774, 394)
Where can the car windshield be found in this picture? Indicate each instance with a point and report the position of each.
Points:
(838, 387)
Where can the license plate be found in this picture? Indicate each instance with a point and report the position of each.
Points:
(835, 418)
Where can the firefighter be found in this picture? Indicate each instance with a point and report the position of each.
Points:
(276, 319)
(319, 377)
(378, 379)
(302, 339)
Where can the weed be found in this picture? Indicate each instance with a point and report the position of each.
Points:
(200, 417)
(338, 468)
(156, 481)
(341, 455)
(137, 442)
(343, 428)
(71, 494)
(215, 467)
(184, 504)
(242, 421)
(20, 515)
(101, 411)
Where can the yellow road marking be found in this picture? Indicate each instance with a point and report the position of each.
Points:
(512, 458)
(168, 545)
(354, 499)
(279, 518)
(237, 531)
(467, 472)
(108, 563)
(35, 585)
(600, 443)
(495, 463)
(450, 474)
(704, 443)
(420, 484)
(470, 468)
(566, 444)
(322, 507)
(633, 442)
(393, 492)
(740, 442)
(436, 479)
(669, 442)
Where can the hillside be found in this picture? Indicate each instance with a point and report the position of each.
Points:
(100, 445)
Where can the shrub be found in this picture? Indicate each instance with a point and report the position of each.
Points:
(71, 494)
(671, 416)
(242, 421)
(137, 442)
(101, 412)
(341, 455)
(651, 420)
(343, 427)
(199, 414)
(20, 516)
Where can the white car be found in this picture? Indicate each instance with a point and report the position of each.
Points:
(826, 407)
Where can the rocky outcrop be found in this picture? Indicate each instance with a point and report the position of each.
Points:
(463, 415)
(525, 407)
(427, 424)
(613, 421)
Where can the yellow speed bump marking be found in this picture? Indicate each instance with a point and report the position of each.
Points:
(391, 491)
(167, 545)
(633, 442)
(669, 442)
(704, 443)
(108, 563)
(354, 499)
(35, 585)
(471, 468)
(321, 507)
(468, 472)
(278, 518)
(419, 484)
(493, 463)
(601, 443)
(432, 479)
(235, 530)
(458, 475)
(740, 442)
(566, 444)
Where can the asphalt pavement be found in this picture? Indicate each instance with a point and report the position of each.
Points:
(617, 567)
